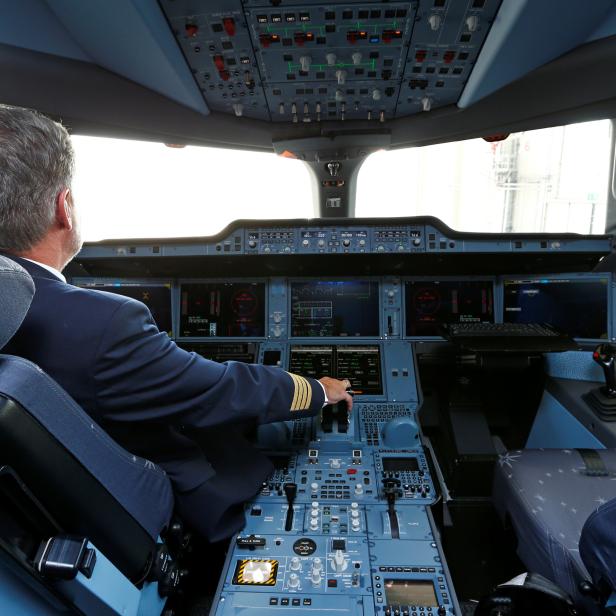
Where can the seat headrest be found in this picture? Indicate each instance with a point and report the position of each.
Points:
(16, 293)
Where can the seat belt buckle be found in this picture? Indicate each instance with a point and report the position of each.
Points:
(63, 556)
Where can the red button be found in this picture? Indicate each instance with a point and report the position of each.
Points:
(351, 471)
(331, 583)
(219, 61)
(191, 30)
(229, 25)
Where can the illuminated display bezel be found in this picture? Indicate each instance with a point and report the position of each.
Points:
(574, 277)
(496, 298)
(338, 339)
(99, 283)
(212, 339)
(411, 582)
(312, 342)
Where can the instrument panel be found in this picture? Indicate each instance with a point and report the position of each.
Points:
(344, 523)
(364, 309)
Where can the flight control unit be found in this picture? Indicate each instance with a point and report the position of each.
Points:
(345, 523)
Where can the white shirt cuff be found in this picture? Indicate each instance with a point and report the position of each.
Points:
(324, 393)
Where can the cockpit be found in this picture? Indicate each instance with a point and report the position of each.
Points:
(415, 199)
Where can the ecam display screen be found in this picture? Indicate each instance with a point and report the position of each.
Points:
(156, 297)
(334, 308)
(430, 304)
(222, 309)
(410, 592)
(575, 307)
(360, 364)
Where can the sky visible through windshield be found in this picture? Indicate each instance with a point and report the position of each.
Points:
(549, 180)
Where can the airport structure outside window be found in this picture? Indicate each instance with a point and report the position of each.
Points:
(549, 180)
(132, 189)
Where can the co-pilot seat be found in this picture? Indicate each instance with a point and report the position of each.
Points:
(557, 501)
(85, 481)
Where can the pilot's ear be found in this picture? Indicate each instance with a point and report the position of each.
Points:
(64, 209)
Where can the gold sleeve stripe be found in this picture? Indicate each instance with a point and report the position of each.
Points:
(302, 393)
(295, 391)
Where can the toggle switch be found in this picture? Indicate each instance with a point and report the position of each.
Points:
(472, 23)
(435, 21)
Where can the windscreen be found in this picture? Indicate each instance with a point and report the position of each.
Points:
(548, 180)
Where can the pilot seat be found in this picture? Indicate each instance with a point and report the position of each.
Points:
(62, 476)
(561, 504)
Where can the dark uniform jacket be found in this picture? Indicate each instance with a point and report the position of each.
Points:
(149, 394)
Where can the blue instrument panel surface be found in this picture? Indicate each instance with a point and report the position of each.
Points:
(343, 525)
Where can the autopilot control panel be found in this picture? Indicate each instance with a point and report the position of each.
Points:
(345, 523)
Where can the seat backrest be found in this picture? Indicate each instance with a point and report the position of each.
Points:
(88, 483)
(16, 293)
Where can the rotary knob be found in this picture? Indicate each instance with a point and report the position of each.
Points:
(346, 243)
(296, 564)
(315, 577)
(294, 580)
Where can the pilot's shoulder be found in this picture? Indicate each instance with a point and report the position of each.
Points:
(99, 301)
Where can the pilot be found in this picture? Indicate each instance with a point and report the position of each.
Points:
(159, 401)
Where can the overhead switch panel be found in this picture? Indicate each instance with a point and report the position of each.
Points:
(308, 61)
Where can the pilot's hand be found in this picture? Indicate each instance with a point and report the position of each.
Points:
(337, 391)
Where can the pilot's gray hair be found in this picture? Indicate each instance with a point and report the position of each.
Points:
(36, 163)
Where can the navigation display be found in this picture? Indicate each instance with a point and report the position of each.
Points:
(360, 364)
(334, 308)
(222, 309)
(430, 304)
(157, 297)
(577, 307)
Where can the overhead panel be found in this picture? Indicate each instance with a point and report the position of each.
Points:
(303, 62)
